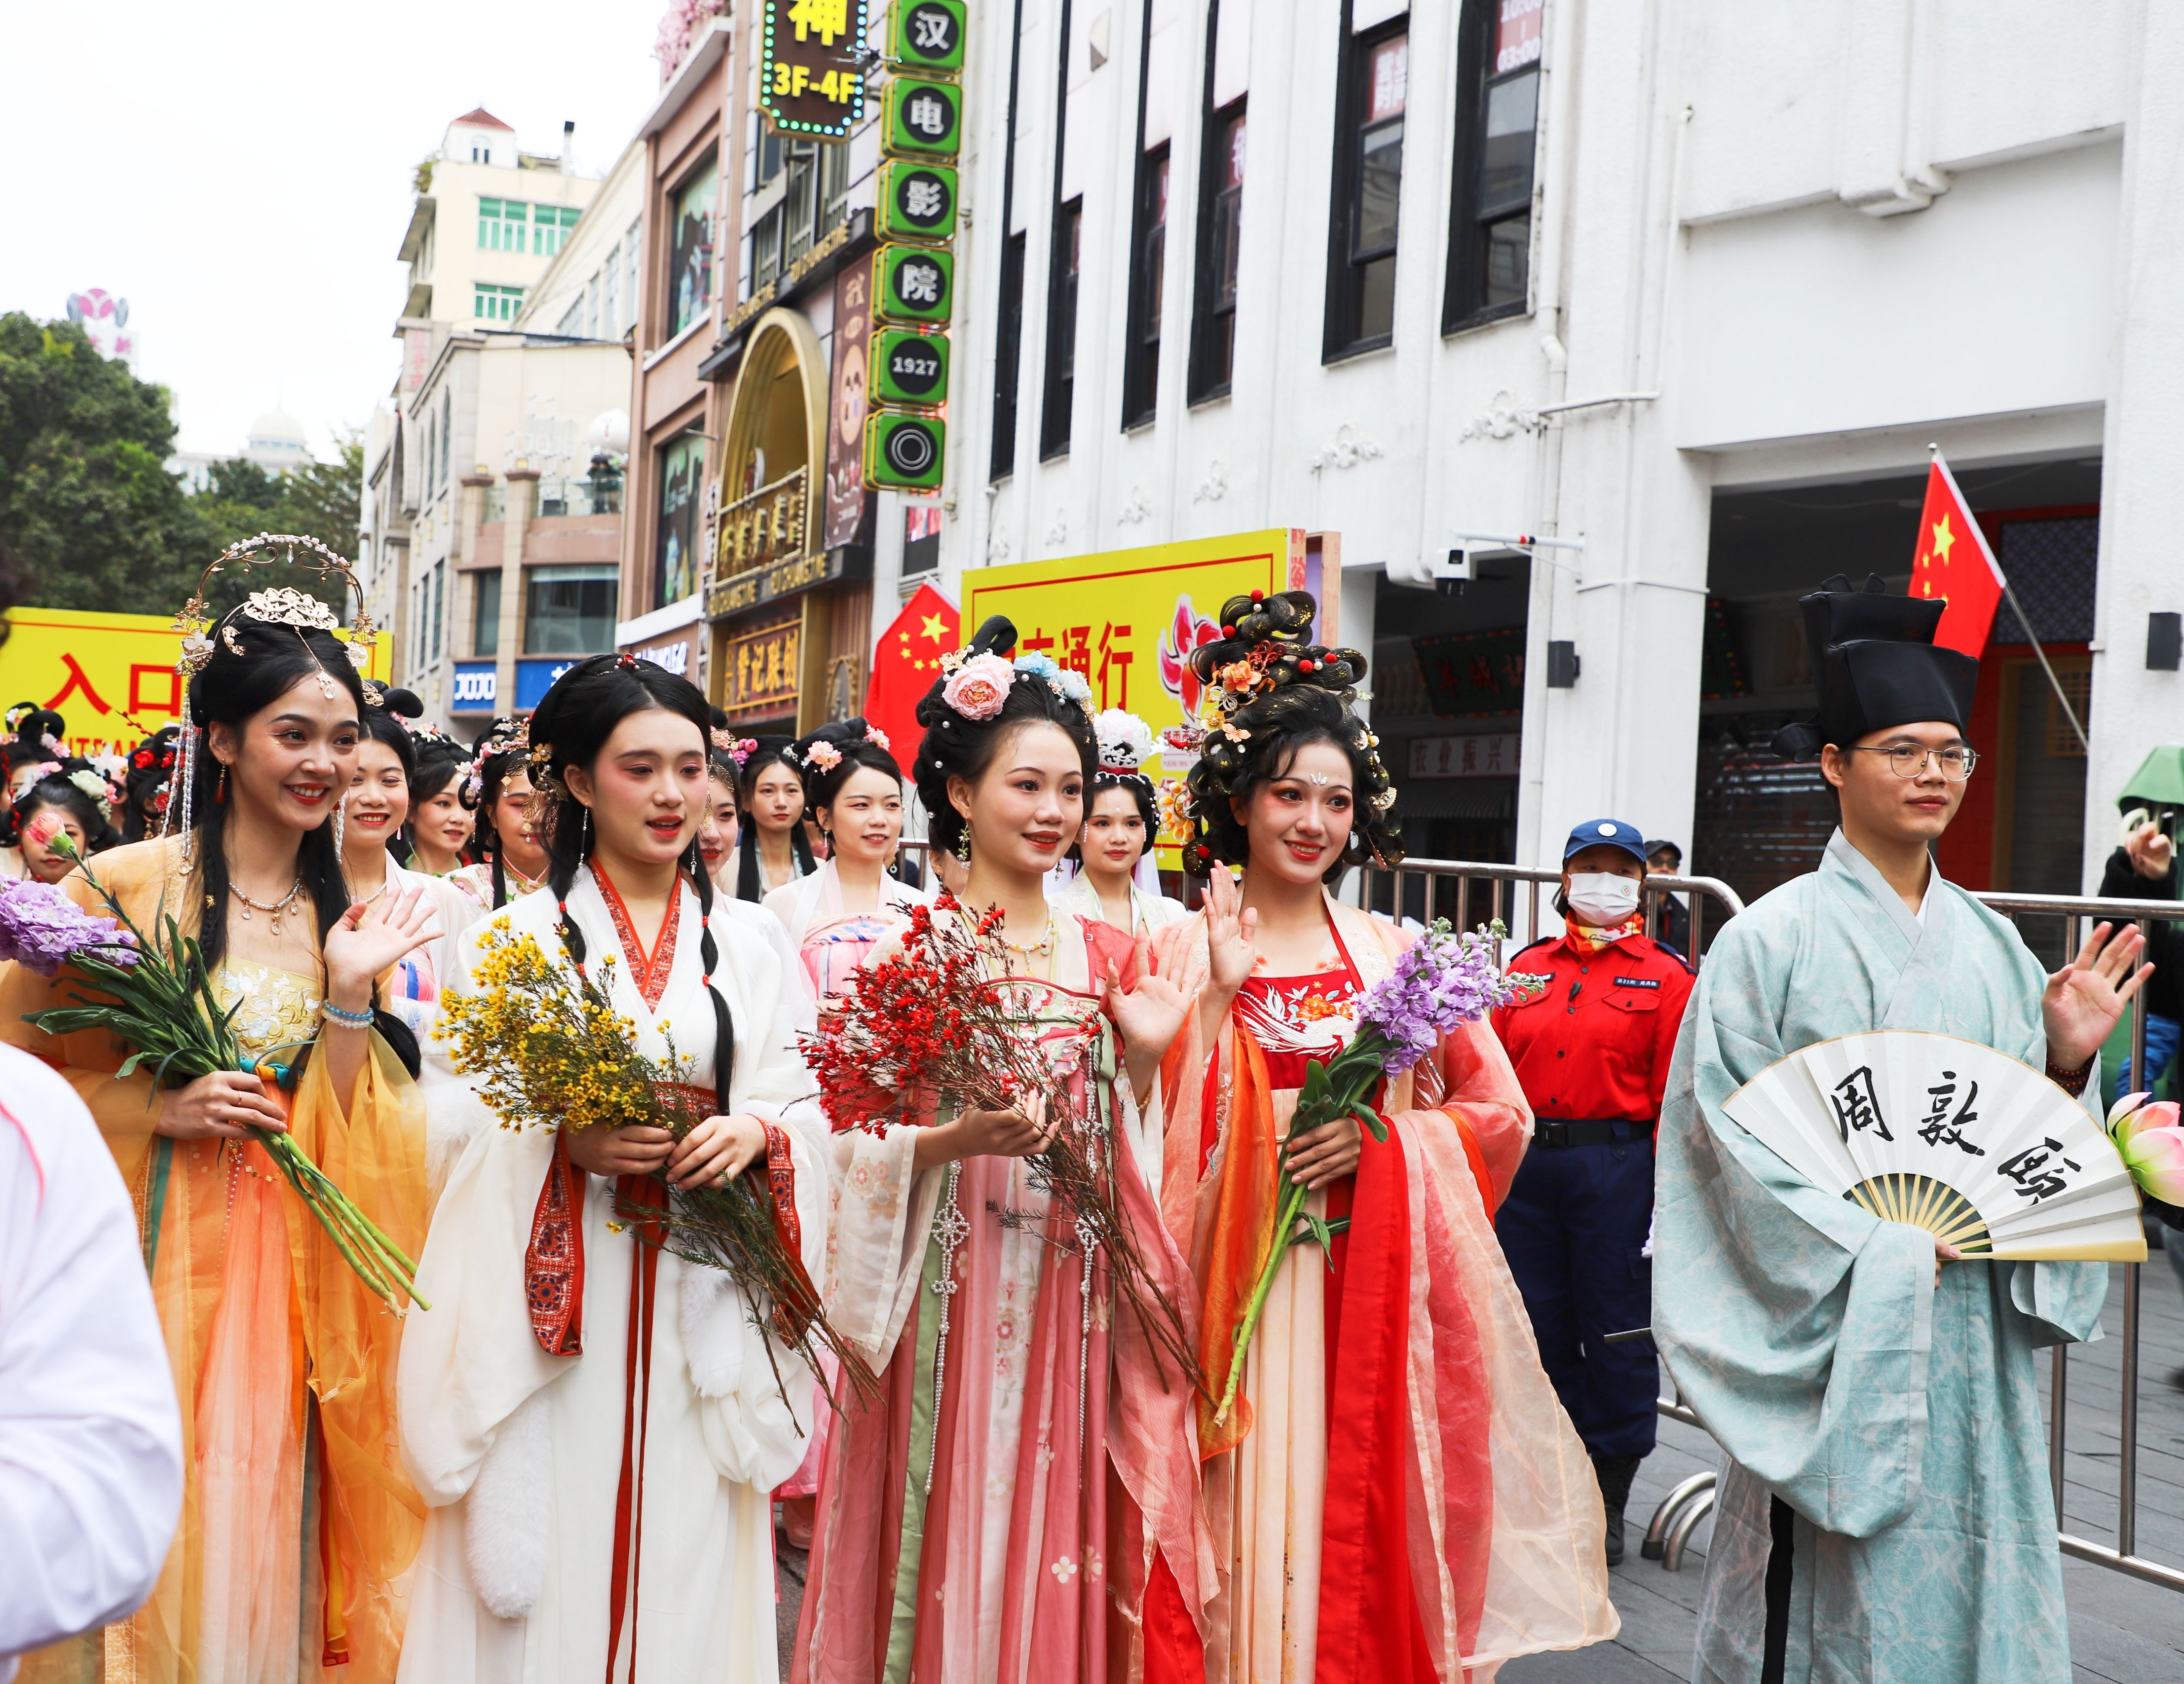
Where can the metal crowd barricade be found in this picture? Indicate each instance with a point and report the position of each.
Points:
(1469, 892)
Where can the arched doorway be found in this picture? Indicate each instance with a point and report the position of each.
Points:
(773, 472)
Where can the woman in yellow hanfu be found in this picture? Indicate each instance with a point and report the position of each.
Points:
(298, 1525)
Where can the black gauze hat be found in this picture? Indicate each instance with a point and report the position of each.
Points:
(1875, 661)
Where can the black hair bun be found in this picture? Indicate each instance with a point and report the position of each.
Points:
(998, 636)
(402, 703)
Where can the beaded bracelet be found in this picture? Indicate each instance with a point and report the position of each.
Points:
(2072, 1082)
(348, 1020)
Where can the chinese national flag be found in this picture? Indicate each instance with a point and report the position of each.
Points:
(905, 666)
(1953, 561)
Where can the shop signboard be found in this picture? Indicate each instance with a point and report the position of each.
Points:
(908, 368)
(845, 430)
(904, 453)
(810, 79)
(915, 285)
(111, 677)
(759, 670)
(917, 200)
(1127, 620)
(477, 687)
(927, 35)
(921, 118)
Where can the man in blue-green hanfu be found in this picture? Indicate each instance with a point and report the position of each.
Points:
(1884, 1515)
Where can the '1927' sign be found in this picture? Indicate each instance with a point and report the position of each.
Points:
(808, 80)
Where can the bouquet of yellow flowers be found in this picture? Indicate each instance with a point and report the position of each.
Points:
(549, 1051)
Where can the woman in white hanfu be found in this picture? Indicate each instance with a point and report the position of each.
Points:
(597, 1425)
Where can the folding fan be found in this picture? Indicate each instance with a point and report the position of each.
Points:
(1974, 1146)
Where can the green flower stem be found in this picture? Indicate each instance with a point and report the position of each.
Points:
(1336, 1089)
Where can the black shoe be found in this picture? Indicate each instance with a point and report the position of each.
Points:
(1614, 1474)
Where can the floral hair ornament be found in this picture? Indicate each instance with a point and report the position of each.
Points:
(94, 785)
(877, 738)
(1126, 742)
(742, 750)
(1064, 682)
(823, 756)
(280, 605)
(978, 686)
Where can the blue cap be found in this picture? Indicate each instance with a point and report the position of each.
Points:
(1606, 833)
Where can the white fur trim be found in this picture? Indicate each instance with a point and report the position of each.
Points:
(710, 1317)
(507, 1513)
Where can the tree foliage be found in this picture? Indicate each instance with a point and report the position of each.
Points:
(86, 501)
(320, 500)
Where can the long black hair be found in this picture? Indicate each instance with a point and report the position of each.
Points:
(957, 746)
(851, 739)
(503, 749)
(572, 725)
(770, 751)
(149, 779)
(383, 724)
(58, 790)
(1286, 692)
(252, 665)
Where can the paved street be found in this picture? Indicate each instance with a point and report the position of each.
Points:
(2121, 1629)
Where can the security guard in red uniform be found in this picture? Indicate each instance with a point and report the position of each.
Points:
(1592, 1051)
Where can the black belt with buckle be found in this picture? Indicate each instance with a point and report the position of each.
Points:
(1558, 1132)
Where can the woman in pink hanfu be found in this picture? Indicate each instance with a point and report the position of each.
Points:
(835, 917)
(994, 1517)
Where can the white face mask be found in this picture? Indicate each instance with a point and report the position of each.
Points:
(1601, 899)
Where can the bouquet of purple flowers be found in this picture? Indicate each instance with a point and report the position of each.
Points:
(1445, 979)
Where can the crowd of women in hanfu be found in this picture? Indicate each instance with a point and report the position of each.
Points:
(584, 1176)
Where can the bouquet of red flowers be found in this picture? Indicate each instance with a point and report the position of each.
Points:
(941, 1023)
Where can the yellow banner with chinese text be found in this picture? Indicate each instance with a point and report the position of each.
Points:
(1129, 619)
(110, 677)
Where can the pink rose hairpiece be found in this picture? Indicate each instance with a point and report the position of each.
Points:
(978, 687)
(742, 750)
(877, 738)
(823, 756)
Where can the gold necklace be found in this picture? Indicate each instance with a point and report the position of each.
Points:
(273, 908)
(527, 884)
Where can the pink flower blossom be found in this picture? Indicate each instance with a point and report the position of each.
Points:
(979, 686)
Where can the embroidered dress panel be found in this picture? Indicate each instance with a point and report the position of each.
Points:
(650, 973)
(279, 1013)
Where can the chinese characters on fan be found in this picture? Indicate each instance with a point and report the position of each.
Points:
(1940, 1128)
(1857, 1106)
(2032, 1172)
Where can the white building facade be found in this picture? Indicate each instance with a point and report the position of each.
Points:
(1693, 285)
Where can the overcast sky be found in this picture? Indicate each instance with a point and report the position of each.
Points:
(240, 173)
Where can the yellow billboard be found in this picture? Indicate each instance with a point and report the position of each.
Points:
(110, 677)
(1129, 619)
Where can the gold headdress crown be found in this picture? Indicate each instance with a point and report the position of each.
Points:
(282, 605)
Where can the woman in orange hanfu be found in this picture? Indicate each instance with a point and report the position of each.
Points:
(298, 1526)
(1396, 1494)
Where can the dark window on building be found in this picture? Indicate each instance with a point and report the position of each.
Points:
(1008, 357)
(571, 611)
(485, 638)
(1061, 331)
(814, 203)
(1148, 249)
(1008, 349)
(1368, 182)
(1497, 123)
(921, 538)
(675, 562)
(1220, 227)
